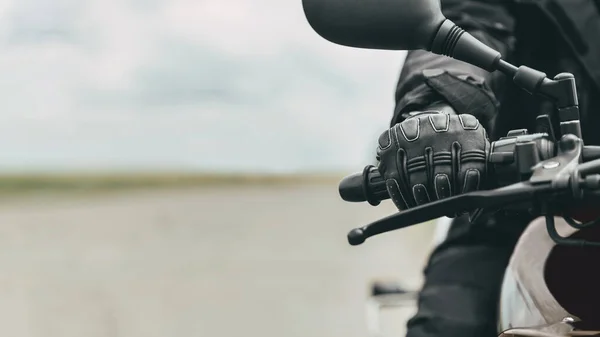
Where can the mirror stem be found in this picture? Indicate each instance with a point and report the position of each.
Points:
(561, 90)
(507, 68)
(453, 41)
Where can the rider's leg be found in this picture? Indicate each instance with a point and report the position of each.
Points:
(463, 279)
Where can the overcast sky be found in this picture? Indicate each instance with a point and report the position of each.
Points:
(184, 84)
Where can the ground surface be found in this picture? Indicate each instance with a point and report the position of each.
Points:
(222, 262)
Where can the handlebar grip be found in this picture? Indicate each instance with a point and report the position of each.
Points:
(366, 186)
(369, 185)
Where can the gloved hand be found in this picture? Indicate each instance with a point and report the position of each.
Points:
(432, 155)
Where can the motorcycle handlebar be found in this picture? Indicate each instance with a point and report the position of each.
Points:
(549, 181)
(369, 185)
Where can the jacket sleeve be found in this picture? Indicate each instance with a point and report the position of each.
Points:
(427, 78)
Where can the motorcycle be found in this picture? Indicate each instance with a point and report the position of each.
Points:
(550, 287)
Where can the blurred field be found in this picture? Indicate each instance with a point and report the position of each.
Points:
(183, 256)
(101, 182)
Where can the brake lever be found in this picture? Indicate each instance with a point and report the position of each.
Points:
(557, 175)
(519, 192)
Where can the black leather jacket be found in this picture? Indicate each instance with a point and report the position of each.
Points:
(525, 36)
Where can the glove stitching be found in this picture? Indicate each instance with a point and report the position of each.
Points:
(389, 143)
(465, 182)
(395, 198)
(397, 139)
(440, 130)
(435, 183)
(404, 134)
(414, 190)
(468, 128)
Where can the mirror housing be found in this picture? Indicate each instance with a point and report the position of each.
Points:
(420, 24)
(397, 25)
(376, 24)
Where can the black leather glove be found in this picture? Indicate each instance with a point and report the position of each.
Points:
(433, 155)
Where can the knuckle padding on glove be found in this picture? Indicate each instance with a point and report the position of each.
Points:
(468, 122)
(440, 122)
(385, 140)
(410, 129)
(432, 156)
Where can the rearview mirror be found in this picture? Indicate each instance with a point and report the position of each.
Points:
(420, 24)
(376, 24)
(396, 25)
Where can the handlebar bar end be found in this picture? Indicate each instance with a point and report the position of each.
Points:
(352, 189)
(356, 237)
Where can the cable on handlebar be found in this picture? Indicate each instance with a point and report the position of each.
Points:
(589, 167)
(578, 225)
(558, 239)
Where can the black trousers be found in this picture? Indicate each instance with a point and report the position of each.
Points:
(463, 278)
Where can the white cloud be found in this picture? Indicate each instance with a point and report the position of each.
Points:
(210, 84)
